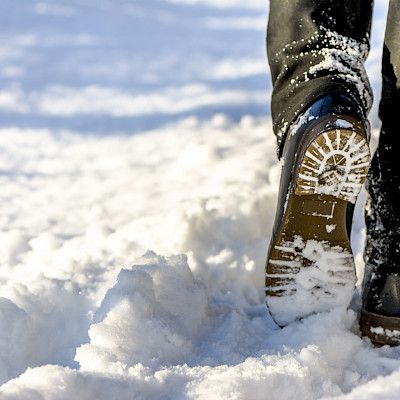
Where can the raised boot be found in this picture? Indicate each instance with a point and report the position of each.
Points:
(310, 266)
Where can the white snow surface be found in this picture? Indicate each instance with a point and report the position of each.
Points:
(138, 187)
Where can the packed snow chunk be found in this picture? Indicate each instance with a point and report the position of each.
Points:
(13, 322)
(14, 244)
(150, 316)
(40, 324)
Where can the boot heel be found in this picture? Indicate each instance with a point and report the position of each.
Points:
(380, 329)
(335, 163)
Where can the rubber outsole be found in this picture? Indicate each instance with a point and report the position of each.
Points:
(310, 266)
(380, 329)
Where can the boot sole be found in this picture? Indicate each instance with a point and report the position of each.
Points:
(380, 329)
(310, 265)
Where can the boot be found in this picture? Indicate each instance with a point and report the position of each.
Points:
(380, 313)
(310, 266)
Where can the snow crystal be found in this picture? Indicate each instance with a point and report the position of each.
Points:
(330, 227)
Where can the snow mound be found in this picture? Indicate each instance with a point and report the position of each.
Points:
(152, 316)
(78, 325)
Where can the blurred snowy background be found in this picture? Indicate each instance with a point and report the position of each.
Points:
(132, 132)
(106, 66)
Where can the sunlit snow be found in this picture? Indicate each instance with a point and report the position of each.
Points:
(138, 185)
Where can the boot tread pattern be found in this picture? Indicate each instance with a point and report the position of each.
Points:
(336, 163)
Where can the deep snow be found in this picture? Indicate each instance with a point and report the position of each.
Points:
(138, 177)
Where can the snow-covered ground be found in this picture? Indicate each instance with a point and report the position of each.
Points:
(138, 180)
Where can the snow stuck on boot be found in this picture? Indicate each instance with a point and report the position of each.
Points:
(314, 278)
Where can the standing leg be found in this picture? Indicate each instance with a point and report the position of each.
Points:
(316, 48)
(381, 295)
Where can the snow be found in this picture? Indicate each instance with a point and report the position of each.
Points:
(326, 283)
(345, 56)
(139, 179)
(330, 227)
(390, 333)
(341, 123)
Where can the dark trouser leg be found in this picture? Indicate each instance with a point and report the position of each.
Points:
(382, 291)
(315, 48)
